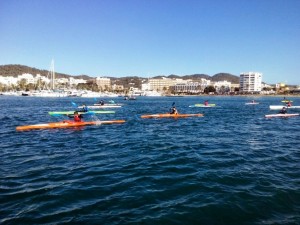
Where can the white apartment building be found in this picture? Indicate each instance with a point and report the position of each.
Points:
(8, 81)
(222, 86)
(103, 82)
(161, 84)
(250, 82)
(73, 81)
(189, 87)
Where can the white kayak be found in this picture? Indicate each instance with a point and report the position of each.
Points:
(101, 106)
(281, 115)
(277, 107)
(251, 103)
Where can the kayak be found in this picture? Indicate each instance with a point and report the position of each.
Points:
(203, 105)
(281, 115)
(65, 124)
(168, 115)
(276, 107)
(251, 103)
(72, 112)
(286, 101)
(100, 106)
(109, 104)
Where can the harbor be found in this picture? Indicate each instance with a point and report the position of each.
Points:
(228, 166)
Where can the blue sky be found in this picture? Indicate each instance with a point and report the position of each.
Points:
(154, 37)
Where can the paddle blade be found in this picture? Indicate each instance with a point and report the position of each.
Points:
(90, 113)
(74, 104)
(173, 104)
(54, 114)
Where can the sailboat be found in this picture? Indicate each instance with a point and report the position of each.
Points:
(49, 90)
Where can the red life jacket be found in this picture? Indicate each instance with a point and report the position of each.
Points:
(77, 118)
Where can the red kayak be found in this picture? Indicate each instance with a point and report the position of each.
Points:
(65, 124)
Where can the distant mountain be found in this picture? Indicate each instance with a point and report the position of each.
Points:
(15, 70)
(226, 76)
(217, 77)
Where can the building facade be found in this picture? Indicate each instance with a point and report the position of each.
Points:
(250, 82)
(103, 82)
(161, 84)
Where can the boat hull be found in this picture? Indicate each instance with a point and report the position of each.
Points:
(281, 115)
(203, 105)
(72, 112)
(66, 124)
(167, 115)
(277, 107)
(101, 106)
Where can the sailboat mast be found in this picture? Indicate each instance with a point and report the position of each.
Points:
(52, 75)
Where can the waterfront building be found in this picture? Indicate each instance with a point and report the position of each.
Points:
(117, 87)
(250, 82)
(161, 84)
(103, 82)
(188, 87)
(8, 81)
(222, 86)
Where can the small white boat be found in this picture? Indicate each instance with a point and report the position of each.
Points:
(277, 107)
(281, 115)
(251, 103)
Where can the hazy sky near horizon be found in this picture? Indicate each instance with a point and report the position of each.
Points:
(154, 37)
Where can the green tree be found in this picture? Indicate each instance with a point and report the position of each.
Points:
(209, 89)
(21, 85)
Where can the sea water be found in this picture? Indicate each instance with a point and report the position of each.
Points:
(232, 166)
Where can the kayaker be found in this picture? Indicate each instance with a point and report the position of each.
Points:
(101, 102)
(76, 116)
(84, 108)
(206, 103)
(283, 110)
(173, 110)
(289, 104)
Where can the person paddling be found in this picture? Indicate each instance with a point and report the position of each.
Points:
(173, 110)
(84, 108)
(76, 116)
(101, 102)
(206, 103)
(283, 110)
(289, 104)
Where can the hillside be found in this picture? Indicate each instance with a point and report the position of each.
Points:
(217, 77)
(15, 70)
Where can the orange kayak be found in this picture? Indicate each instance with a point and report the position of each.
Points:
(168, 115)
(65, 124)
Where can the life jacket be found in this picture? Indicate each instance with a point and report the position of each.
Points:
(77, 118)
